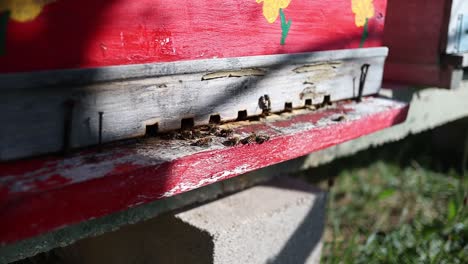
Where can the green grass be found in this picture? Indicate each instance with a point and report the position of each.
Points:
(396, 204)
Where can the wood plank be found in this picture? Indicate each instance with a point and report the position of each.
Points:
(414, 30)
(35, 193)
(82, 34)
(34, 111)
(418, 42)
(444, 76)
(458, 7)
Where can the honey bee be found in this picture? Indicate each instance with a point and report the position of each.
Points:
(213, 129)
(339, 118)
(264, 103)
(185, 134)
(204, 127)
(231, 141)
(202, 142)
(249, 139)
(210, 128)
(197, 133)
(261, 138)
(225, 132)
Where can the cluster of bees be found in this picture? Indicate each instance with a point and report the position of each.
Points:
(202, 136)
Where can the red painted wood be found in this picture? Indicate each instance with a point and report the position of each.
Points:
(418, 74)
(416, 34)
(43, 194)
(89, 33)
(414, 30)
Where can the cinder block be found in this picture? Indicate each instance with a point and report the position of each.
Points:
(164, 239)
(278, 222)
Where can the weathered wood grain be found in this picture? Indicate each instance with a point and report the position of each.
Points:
(33, 105)
(35, 193)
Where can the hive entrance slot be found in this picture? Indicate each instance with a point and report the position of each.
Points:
(242, 115)
(152, 130)
(187, 123)
(215, 119)
(288, 107)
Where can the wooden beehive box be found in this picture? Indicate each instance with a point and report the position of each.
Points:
(105, 70)
(428, 42)
(75, 74)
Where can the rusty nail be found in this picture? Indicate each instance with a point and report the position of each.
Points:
(100, 128)
(362, 81)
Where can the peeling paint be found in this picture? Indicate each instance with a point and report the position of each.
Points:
(310, 92)
(319, 76)
(319, 66)
(92, 184)
(188, 186)
(238, 73)
(81, 168)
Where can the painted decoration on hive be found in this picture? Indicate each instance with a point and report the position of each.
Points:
(18, 10)
(363, 10)
(271, 9)
(45, 34)
(23, 10)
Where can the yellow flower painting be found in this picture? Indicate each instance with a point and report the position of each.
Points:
(19, 11)
(363, 10)
(23, 10)
(271, 10)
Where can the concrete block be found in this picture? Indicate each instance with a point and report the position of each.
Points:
(281, 221)
(164, 239)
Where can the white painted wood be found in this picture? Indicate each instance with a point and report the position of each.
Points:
(459, 7)
(131, 97)
(112, 73)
